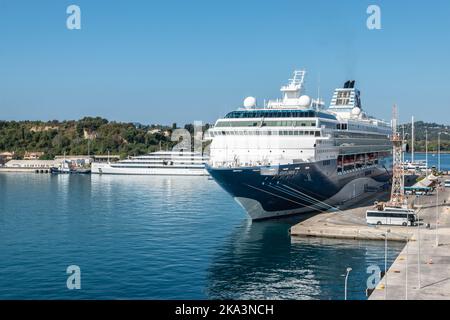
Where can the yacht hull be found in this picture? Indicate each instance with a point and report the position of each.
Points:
(107, 169)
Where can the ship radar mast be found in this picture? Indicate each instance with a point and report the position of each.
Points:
(293, 89)
(292, 94)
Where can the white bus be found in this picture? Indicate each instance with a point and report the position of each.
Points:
(392, 216)
(447, 183)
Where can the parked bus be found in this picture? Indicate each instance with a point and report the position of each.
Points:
(392, 216)
(447, 183)
(420, 191)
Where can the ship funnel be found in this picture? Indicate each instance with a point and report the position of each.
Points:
(350, 84)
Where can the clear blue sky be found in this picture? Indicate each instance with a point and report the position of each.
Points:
(185, 60)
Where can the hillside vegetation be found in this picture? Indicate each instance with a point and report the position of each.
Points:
(96, 135)
(433, 129)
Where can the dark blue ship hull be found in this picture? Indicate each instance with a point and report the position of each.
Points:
(267, 192)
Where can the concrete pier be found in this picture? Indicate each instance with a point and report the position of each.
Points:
(402, 278)
(402, 281)
(350, 223)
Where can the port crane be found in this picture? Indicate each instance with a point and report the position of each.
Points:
(398, 199)
(395, 211)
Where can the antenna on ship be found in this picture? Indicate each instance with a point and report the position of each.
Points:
(318, 91)
(318, 87)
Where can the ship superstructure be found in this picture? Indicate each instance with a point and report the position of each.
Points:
(293, 155)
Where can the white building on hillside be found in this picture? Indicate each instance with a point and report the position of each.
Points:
(33, 164)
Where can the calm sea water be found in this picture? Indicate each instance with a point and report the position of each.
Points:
(161, 238)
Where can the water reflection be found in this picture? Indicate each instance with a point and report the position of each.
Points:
(259, 261)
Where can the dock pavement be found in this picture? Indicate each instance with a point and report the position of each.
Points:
(402, 280)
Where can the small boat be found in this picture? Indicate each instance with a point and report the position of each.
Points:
(56, 170)
(80, 171)
(64, 168)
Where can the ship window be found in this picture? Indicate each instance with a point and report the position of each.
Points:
(276, 114)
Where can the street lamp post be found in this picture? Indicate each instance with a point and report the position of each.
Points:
(406, 272)
(346, 280)
(437, 212)
(437, 189)
(406, 260)
(439, 152)
(426, 151)
(385, 262)
(418, 253)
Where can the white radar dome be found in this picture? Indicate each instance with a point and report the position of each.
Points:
(304, 101)
(356, 111)
(249, 102)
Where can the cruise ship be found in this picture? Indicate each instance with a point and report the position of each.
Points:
(295, 155)
(156, 163)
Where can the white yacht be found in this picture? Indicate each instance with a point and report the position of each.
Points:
(157, 163)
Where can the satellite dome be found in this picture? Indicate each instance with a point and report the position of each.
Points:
(249, 102)
(356, 111)
(304, 101)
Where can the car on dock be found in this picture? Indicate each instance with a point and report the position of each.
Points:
(392, 216)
